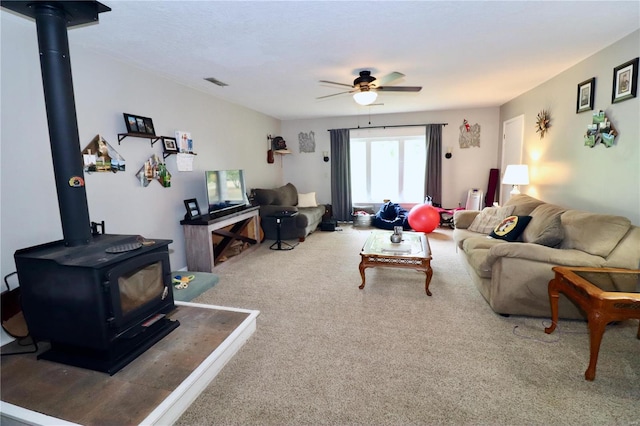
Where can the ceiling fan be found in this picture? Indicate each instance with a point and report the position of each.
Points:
(365, 87)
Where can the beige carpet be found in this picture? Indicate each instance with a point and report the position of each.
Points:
(326, 352)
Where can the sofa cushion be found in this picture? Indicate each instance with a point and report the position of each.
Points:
(489, 218)
(475, 243)
(265, 197)
(545, 227)
(510, 228)
(307, 200)
(597, 234)
(288, 195)
(523, 204)
(627, 252)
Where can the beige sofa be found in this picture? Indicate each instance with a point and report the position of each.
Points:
(513, 276)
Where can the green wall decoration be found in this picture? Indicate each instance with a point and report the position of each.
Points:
(153, 169)
(600, 130)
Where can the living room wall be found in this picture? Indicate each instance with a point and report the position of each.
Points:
(564, 171)
(467, 168)
(225, 136)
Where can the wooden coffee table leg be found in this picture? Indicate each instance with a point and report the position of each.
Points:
(597, 325)
(429, 273)
(362, 268)
(553, 301)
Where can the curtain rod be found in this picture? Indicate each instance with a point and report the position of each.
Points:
(384, 127)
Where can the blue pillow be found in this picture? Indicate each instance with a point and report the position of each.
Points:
(510, 228)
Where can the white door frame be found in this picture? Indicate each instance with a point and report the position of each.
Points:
(512, 143)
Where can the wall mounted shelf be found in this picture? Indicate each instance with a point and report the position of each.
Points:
(152, 138)
(167, 154)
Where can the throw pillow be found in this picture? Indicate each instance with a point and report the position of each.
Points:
(552, 235)
(510, 228)
(307, 200)
(489, 218)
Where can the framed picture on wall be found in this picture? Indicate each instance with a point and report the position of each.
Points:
(625, 81)
(586, 93)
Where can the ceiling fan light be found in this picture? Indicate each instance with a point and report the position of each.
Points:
(365, 98)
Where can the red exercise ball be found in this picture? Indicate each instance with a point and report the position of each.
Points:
(423, 218)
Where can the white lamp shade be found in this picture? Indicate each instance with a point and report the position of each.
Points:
(516, 174)
(365, 98)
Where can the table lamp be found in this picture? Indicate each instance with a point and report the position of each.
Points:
(516, 175)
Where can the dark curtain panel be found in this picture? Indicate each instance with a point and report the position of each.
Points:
(340, 175)
(433, 175)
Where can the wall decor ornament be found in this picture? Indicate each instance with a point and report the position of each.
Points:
(307, 141)
(586, 94)
(184, 141)
(469, 134)
(543, 122)
(153, 169)
(278, 143)
(600, 130)
(625, 81)
(100, 156)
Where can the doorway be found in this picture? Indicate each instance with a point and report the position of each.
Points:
(512, 142)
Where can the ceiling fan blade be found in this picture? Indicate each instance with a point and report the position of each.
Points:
(389, 78)
(333, 82)
(399, 88)
(333, 94)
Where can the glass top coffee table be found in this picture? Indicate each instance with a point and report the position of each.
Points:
(413, 252)
(605, 294)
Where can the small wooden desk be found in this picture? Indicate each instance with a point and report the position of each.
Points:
(201, 255)
(605, 294)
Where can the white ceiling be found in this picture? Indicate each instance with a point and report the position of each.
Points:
(464, 54)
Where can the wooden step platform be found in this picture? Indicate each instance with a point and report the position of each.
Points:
(156, 388)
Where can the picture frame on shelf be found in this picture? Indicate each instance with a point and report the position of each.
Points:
(586, 94)
(193, 210)
(625, 81)
(148, 125)
(139, 125)
(170, 145)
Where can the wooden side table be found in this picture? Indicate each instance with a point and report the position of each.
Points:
(605, 294)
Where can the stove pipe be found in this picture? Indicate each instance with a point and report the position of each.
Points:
(52, 18)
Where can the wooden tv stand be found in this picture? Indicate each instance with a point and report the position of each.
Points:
(201, 255)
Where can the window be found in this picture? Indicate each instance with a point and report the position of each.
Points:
(388, 165)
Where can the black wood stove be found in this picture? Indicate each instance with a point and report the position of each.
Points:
(100, 300)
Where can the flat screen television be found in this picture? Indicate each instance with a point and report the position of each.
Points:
(226, 191)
